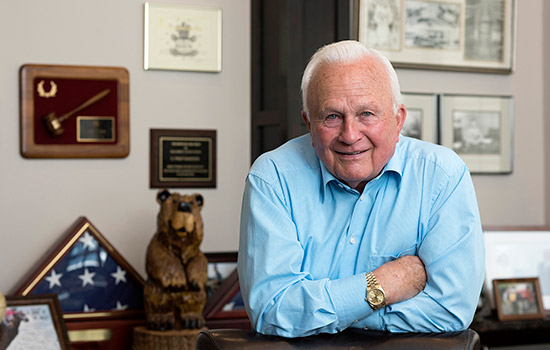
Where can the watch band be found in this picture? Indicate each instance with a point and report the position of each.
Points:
(375, 294)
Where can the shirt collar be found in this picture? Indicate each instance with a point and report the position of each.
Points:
(395, 165)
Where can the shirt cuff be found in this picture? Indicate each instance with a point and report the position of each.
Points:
(348, 296)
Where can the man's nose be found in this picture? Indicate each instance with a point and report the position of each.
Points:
(350, 132)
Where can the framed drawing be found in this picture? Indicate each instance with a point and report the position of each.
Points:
(465, 35)
(182, 158)
(480, 130)
(182, 37)
(74, 111)
(421, 120)
(518, 252)
(33, 322)
(518, 299)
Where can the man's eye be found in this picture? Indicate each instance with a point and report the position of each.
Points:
(367, 114)
(332, 120)
(332, 117)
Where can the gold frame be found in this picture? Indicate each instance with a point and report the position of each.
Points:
(194, 31)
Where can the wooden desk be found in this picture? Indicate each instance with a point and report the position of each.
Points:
(507, 333)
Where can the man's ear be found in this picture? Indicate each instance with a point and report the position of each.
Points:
(400, 117)
(306, 120)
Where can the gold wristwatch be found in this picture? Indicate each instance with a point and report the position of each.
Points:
(375, 294)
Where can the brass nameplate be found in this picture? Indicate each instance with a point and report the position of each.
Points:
(102, 334)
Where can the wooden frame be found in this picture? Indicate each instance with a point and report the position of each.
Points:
(182, 158)
(518, 299)
(461, 35)
(182, 37)
(421, 120)
(35, 321)
(81, 245)
(480, 128)
(220, 310)
(50, 93)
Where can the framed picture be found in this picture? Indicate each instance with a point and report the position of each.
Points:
(182, 37)
(465, 35)
(480, 130)
(421, 120)
(518, 252)
(518, 299)
(224, 307)
(33, 322)
(182, 158)
(74, 111)
(100, 293)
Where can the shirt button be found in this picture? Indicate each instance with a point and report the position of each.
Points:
(362, 197)
(352, 240)
(341, 186)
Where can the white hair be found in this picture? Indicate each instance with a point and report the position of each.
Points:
(345, 52)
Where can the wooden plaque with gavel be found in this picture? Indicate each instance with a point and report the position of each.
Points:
(74, 111)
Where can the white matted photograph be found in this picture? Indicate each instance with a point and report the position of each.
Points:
(480, 130)
(182, 37)
(421, 120)
(464, 35)
(518, 253)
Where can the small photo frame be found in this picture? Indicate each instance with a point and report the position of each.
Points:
(421, 120)
(518, 299)
(461, 35)
(182, 37)
(480, 130)
(33, 322)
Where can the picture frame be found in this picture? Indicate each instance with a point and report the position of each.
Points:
(459, 35)
(421, 120)
(100, 293)
(518, 299)
(517, 252)
(479, 128)
(224, 307)
(33, 322)
(182, 37)
(74, 111)
(182, 158)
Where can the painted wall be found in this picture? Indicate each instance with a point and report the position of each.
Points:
(41, 198)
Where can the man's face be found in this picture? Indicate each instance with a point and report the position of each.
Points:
(352, 124)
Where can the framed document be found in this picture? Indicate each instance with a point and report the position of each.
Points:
(74, 111)
(182, 158)
(182, 37)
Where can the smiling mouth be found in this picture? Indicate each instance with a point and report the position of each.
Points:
(350, 153)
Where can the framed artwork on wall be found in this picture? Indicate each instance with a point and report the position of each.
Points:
(518, 299)
(182, 37)
(465, 35)
(480, 129)
(421, 120)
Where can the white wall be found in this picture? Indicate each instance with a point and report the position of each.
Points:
(41, 198)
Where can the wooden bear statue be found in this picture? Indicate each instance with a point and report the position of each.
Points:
(176, 269)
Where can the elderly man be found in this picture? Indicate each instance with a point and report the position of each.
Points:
(354, 225)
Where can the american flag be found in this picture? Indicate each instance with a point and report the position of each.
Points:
(89, 279)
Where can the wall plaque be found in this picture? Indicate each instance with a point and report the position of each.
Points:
(182, 158)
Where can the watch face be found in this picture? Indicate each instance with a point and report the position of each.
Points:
(376, 297)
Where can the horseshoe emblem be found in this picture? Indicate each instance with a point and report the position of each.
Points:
(47, 94)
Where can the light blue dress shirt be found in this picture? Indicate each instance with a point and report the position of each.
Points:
(307, 240)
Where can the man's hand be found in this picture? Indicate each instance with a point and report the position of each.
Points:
(402, 278)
